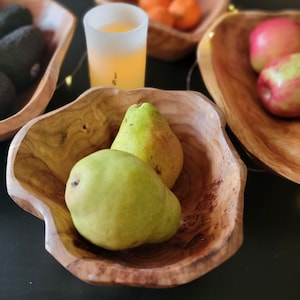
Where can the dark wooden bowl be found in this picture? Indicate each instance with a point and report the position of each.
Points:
(57, 25)
(210, 187)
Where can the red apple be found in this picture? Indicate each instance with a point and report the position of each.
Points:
(278, 86)
(271, 39)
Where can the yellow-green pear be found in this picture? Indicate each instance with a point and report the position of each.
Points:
(117, 201)
(146, 133)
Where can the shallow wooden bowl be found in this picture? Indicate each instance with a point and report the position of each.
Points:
(223, 59)
(58, 25)
(210, 187)
(169, 44)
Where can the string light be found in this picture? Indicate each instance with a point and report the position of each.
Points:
(232, 8)
(68, 80)
(211, 34)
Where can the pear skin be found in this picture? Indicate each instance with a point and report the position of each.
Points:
(146, 133)
(117, 201)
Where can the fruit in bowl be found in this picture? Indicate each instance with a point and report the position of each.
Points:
(119, 198)
(274, 51)
(23, 70)
(145, 133)
(19, 35)
(210, 187)
(167, 43)
(268, 139)
(12, 17)
(179, 14)
(117, 201)
(278, 86)
(57, 33)
(271, 39)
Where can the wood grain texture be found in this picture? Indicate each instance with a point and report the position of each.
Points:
(210, 187)
(57, 25)
(169, 44)
(225, 67)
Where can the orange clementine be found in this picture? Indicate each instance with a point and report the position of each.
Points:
(187, 13)
(162, 15)
(149, 4)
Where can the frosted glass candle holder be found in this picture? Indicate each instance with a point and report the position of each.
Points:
(116, 40)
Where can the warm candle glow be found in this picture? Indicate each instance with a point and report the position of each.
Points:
(122, 70)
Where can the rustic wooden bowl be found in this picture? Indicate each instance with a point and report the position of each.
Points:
(168, 44)
(210, 187)
(58, 25)
(223, 59)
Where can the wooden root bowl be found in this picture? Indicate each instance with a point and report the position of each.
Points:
(58, 25)
(169, 44)
(223, 58)
(210, 187)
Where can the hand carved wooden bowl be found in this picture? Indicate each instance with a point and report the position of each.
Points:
(169, 44)
(57, 25)
(210, 187)
(223, 58)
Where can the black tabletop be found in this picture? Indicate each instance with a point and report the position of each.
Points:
(267, 266)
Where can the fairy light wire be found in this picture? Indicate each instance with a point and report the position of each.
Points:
(190, 74)
(188, 87)
(69, 78)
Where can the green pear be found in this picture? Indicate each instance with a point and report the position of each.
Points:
(146, 133)
(117, 201)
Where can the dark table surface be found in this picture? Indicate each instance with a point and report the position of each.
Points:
(267, 266)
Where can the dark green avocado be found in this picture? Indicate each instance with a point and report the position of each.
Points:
(21, 55)
(7, 96)
(12, 17)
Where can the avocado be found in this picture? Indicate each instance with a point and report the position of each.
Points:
(21, 55)
(12, 17)
(7, 95)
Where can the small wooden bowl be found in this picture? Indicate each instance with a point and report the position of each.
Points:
(223, 58)
(168, 44)
(57, 25)
(210, 187)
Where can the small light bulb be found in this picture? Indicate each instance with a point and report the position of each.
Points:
(211, 34)
(68, 80)
(232, 8)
